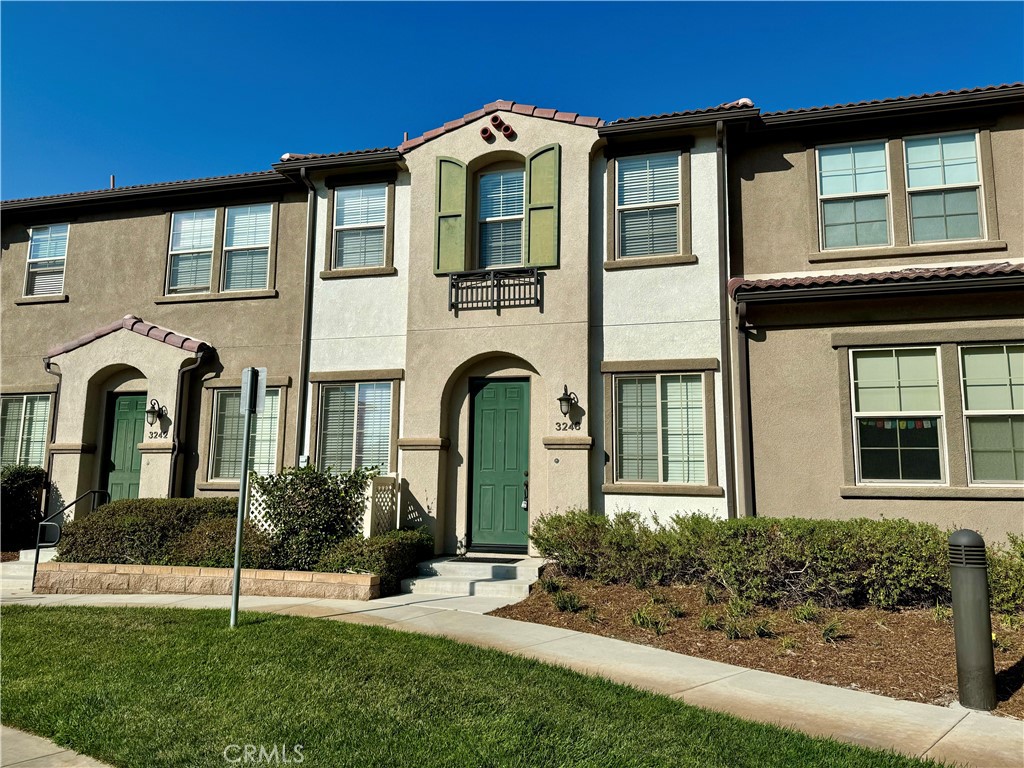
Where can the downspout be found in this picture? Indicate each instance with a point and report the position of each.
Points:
(743, 423)
(307, 316)
(178, 409)
(53, 432)
(725, 324)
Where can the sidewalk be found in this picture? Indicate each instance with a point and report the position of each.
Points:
(950, 734)
(24, 750)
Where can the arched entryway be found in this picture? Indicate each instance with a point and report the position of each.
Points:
(118, 398)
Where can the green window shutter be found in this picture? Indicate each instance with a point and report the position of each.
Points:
(543, 169)
(450, 229)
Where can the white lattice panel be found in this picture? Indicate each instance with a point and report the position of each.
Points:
(257, 512)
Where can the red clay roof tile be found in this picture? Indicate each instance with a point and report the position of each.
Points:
(136, 325)
(738, 104)
(898, 99)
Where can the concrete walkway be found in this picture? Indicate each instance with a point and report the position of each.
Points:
(950, 734)
(24, 750)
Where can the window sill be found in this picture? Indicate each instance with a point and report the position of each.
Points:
(339, 274)
(226, 485)
(187, 298)
(908, 251)
(927, 492)
(57, 298)
(662, 489)
(650, 261)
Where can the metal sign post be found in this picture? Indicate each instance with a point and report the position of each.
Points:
(254, 388)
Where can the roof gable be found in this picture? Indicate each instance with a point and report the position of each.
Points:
(136, 325)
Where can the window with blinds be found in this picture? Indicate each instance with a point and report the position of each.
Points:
(500, 219)
(247, 247)
(659, 429)
(191, 251)
(647, 202)
(360, 218)
(229, 429)
(47, 253)
(355, 426)
(993, 397)
(23, 429)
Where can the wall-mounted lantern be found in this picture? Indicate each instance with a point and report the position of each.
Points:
(155, 412)
(566, 400)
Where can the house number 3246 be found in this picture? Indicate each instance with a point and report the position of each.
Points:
(566, 426)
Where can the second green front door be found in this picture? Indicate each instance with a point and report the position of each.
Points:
(123, 462)
(501, 459)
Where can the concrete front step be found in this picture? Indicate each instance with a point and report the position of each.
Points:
(485, 577)
(450, 585)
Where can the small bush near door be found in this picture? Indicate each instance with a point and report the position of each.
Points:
(21, 490)
(211, 544)
(392, 556)
(775, 562)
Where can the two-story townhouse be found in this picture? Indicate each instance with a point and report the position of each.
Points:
(522, 311)
(128, 316)
(878, 265)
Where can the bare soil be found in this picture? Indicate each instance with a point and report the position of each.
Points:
(907, 654)
(6, 557)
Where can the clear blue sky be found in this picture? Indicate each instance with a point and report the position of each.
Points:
(161, 91)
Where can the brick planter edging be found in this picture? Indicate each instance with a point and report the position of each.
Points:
(117, 579)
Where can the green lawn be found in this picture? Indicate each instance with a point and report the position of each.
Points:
(164, 687)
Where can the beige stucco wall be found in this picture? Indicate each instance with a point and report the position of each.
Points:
(116, 265)
(443, 350)
(802, 447)
(774, 198)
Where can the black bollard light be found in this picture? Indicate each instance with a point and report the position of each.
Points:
(972, 624)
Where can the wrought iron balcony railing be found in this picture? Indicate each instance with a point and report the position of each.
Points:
(496, 289)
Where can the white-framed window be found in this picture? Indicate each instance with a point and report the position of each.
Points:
(191, 251)
(500, 218)
(853, 195)
(355, 426)
(23, 429)
(360, 220)
(47, 253)
(228, 431)
(647, 198)
(247, 247)
(992, 386)
(898, 415)
(944, 187)
(660, 429)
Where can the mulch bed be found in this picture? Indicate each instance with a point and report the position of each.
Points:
(907, 654)
(6, 557)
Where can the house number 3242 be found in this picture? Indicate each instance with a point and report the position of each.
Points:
(566, 426)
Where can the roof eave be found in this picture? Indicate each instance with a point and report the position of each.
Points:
(769, 295)
(643, 125)
(292, 168)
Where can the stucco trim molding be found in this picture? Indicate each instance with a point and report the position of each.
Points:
(351, 272)
(383, 374)
(28, 389)
(639, 262)
(908, 251)
(72, 448)
(272, 381)
(960, 335)
(568, 443)
(156, 447)
(61, 298)
(189, 298)
(659, 366)
(929, 492)
(424, 443)
(660, 489)
(223, 487)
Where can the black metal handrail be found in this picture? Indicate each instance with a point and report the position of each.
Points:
(47, 523)
(495, 288)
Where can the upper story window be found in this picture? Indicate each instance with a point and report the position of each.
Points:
(191, 251)
(500, 219)
(247, 247)
(944, 187)
(647, 200)
(47, 252)
(853, 194)
(360, 226)
(23, 433)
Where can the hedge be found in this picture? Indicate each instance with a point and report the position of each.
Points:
(21, 491)
(211, 544)
(392, 556)
(775, 562)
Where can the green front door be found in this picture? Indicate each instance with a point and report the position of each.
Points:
(123, 464)
(501, 459)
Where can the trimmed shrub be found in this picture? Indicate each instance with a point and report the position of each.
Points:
(21, 490)
(211, 544)
(392, 556)
(775, 562)
(141, 531)
(311, 512)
